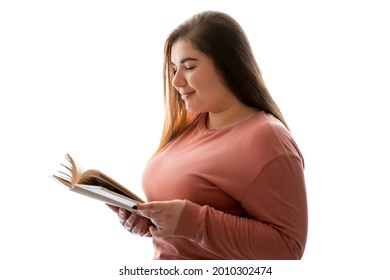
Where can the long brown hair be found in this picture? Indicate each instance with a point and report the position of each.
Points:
(220, 37)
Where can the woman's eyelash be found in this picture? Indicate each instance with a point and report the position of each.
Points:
(174, 70)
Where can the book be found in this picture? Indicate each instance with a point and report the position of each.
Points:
(95, 184)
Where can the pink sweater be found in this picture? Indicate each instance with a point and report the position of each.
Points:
(244, 192)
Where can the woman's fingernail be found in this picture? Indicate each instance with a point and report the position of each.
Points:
(135, 207)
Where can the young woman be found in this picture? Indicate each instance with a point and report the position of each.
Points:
(227, 181)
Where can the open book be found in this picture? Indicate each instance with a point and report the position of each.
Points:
(94, 183)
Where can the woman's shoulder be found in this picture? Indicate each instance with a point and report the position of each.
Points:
(269, 133)
(267, 125)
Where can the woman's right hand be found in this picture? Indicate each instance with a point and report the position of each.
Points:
(134, 223)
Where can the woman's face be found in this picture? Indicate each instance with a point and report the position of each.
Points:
(197, 80)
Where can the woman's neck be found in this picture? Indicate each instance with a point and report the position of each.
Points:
(230, 116)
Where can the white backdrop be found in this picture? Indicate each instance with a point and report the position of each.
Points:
(84, 77)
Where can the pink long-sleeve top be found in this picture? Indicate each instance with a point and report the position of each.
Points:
(244, 192)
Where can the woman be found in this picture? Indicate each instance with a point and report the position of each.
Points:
(227, 180)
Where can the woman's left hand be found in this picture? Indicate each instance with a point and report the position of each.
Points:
(163, 214)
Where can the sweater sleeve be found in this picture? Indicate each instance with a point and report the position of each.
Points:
(277, 225)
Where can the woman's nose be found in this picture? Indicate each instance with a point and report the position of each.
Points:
(178, 80)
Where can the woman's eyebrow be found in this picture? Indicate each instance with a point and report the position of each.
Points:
(184, 60)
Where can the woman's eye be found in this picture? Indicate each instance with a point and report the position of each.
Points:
(187, 68)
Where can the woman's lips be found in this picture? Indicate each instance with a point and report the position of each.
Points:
(186, 95)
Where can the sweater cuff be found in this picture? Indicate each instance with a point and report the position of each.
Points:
(189, 224)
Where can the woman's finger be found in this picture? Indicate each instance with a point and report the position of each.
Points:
(130, 222)
(163, 214)
(152, 210)
(113, 208)
(123, 215)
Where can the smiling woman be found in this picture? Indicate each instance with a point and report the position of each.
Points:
(85, 77)
(227, 181)
(201, 86)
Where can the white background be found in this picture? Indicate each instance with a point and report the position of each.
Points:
(84, 77)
